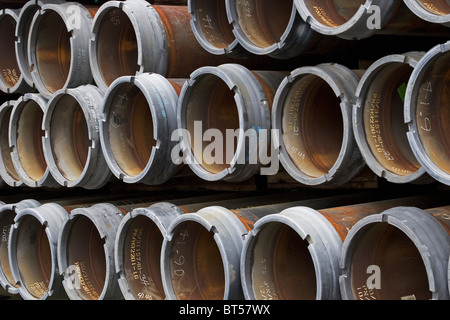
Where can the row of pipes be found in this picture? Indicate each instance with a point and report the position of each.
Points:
(285, 246)
(323, 123)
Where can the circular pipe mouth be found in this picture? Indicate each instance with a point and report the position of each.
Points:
(129, 135)
(8, 173)
(281, 266)
(34, 257)
(69, 137)
(10, 72)
(402, 270)
(212, 106)
(196, 264)
(6, 221)
(435, 11)
(141, 262)
(380, 129)
(438, 7)
(312, 127)
(29, 140)
(427, 111)
(53, 51)
(116, 46)
(85, 257)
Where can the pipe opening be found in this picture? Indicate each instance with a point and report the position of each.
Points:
(53, 51)
(312, 125)
(213, 22)
(333, 13)
(281, 266)
(256, 20)
(433, 112)
(213, 104)
(117, 48)
(85, 253)
(29, 140)
(10, 72)
(438, 7)
(130, 129)
(402, 273)
(141, 259)
(385, 130)
(5, 149)
(6, 220)
(69, 137)
(34, 257)
(196, 265)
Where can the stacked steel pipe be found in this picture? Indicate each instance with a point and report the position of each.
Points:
(130, 91)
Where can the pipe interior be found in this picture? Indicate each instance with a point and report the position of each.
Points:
(6, 220)
(53, 51)
(130, 129)
(402, 273)
(333, 13)
(439, 7)
(5, 149)
(69, 137)
(34, 257)
(86, 254)
(312, 125)
(212, 103)
(281, 266)
(213, 22)
(29, 140)
(10, 72)
(141, 259)
(196, 266)
(433, 111)
(383, 116)
(117, 47)
(256, 20)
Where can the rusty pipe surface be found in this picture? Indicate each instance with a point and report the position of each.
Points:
(427, 106)
(11, 79)
(201, 253)
(434, 11)
(71, 143)
(7, 171)
(138, 120)
(25, 141)
(58, 47)
(132, 37)
(406, 249)
(359, 19)
(224, 121)
(314, 238)
(312, 112)
(378, 119)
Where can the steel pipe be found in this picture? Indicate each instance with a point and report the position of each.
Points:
(220, 105)
(408, 247)
(294, 254)
(138, 119)
(8, 173)
(11, 78)
(25, 141)
(32, 252)
(427, 105)
(21, 42)
(212, 29)
(8, 212)
(312, 111)
(378, 119)
(71, 143)
(132, 37)
(201, 255)
(359, 19)
(434, 11)
(58, 47)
